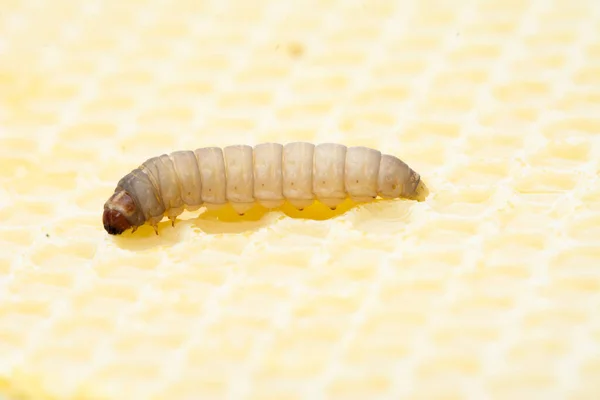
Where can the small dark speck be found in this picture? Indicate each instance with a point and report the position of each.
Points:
(47, 235)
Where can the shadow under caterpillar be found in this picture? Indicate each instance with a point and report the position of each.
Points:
(269, 174)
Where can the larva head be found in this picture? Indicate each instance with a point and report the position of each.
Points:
(118, 211)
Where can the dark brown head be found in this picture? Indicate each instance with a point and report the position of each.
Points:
(118, 211)
(114, 222)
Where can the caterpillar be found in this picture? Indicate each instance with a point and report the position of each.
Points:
(268, 174)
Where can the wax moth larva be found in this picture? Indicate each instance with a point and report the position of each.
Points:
(268, 174)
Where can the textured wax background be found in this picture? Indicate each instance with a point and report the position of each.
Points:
(489, 289)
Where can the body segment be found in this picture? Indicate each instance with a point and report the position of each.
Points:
(162, 174)
(240, 177)
(361, 172)
(268, 178)
(297, 174)
(188, 174)
(212, 174)
(269, 174)
(329, 165)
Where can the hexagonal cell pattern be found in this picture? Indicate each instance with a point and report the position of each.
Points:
(488, 289)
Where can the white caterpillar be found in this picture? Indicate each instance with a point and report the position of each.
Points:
(269, 173)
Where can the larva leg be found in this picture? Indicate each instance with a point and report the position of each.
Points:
(240, 177)
(328, 174)
(212, 173)
(268, 180)
(297, 174)
(153, 222)
(361, 173)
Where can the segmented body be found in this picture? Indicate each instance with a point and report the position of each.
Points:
(268, 173)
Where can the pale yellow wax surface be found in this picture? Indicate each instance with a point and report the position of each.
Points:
(487, 289)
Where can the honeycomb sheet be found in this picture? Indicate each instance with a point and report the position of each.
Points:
(490, 289)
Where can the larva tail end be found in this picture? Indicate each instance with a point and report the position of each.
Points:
(421, 192)
(115, 222)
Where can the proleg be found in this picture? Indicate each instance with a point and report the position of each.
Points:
(268, 174)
